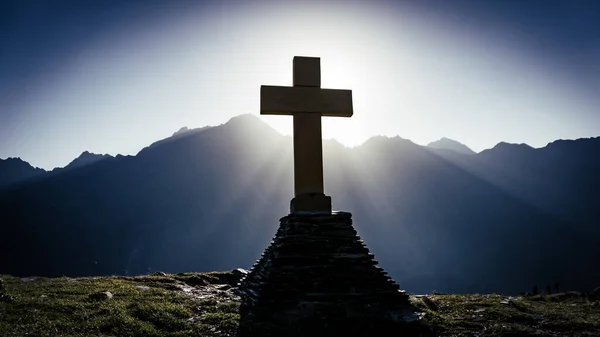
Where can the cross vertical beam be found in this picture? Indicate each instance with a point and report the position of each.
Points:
(308, 144)
(307, 103)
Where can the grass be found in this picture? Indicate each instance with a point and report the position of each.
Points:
(157, 305)
(63, 307)
(497, 315)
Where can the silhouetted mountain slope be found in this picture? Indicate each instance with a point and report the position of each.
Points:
(211, 200)
(195, 195)
(183, 132)
(560, 179)
(13, 170)
(449, 144)
(84, 159)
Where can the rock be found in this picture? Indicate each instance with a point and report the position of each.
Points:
(430, 304)
(101, 296)
(222, 286)
(142, 287)
(159, 273)
(595, 294)
(564, 297)
(239, 273)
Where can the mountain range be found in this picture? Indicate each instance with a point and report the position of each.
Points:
(438, 218)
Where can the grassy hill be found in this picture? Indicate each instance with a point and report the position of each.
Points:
(205, 304)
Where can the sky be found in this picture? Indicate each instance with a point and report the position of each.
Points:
(112, 76)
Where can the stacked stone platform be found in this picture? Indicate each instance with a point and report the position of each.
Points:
(316, 278)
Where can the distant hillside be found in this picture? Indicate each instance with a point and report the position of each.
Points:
(13, 170)
(499, 221)
(449, 144)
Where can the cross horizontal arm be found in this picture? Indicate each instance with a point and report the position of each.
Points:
(276, 100)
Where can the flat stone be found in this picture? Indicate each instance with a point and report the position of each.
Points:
(101, 296)
(311, 204)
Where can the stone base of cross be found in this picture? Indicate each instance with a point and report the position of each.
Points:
(306, 101)
(318, 278)
(312, 203)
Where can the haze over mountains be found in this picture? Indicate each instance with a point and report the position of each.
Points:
(438, 217)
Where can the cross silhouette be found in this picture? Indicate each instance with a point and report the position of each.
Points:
(306, 101)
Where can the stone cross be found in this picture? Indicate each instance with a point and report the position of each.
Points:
(306, 101)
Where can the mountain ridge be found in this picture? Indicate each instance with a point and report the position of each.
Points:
(15, 169)
(441, 144)
(433, 219)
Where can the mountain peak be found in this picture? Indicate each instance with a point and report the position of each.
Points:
(570, 143)
(450, 144)
(507, 149)
(505, 145)
(182, 131)
(87, 153)
(12, 160)
(185, 131)
(15, 169)
(18, 162)
(86, 158)
(250, 124)
(244, 118)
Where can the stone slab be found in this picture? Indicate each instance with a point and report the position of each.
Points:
(310, 203)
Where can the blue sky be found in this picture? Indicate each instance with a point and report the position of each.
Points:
(113, 76)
